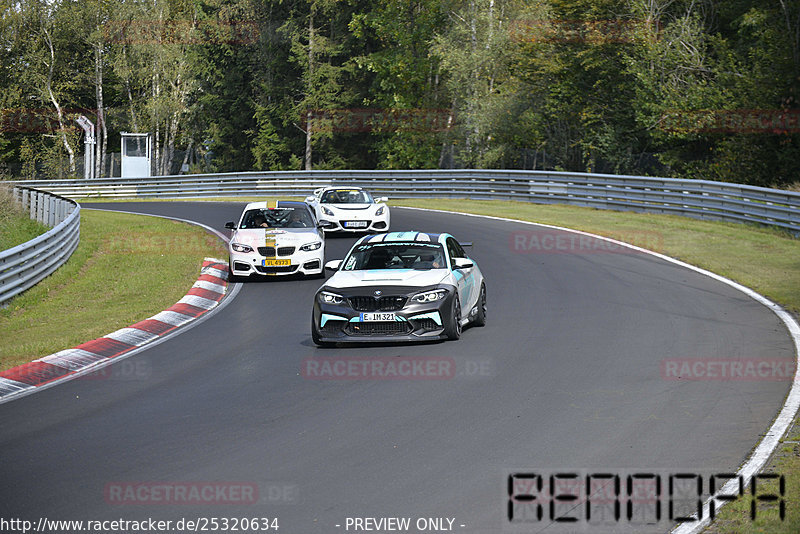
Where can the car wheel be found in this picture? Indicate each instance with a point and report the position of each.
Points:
(453, 330)
(480, 318)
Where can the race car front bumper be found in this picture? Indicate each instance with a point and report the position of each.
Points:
(411, 321)
(301, 262)
(355, 224)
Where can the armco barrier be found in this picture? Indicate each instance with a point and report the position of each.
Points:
(694, 198)
(21, 267)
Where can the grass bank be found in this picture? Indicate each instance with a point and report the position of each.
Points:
(16, 226)
(125, 269)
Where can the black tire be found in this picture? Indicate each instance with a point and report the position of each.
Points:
(480, 317)
(453, 329)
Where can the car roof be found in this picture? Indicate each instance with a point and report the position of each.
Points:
(411, 236)
(278, 204)
(344, 187)
(291, 204)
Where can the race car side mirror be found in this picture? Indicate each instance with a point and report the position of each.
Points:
(230, 225)
(383, 199)
(309, 199)
(462, 263)
(333, 265)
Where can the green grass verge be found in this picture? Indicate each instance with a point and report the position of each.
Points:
(125, 269)
(763, 259)
(16, 226)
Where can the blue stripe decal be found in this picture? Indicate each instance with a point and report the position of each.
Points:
(431, 315)
(327, 317)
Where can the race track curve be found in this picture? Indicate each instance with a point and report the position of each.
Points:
(567, 375)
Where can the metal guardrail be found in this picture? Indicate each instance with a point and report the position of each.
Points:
(23, 266)
(693, 198)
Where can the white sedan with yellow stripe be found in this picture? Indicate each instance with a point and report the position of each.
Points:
(273, 241)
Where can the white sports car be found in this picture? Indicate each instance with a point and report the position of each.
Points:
(349, 209)
(401, 286)
(282, 240)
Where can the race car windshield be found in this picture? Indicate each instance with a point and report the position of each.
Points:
(416, 256)
(346, 196)
(277, 218)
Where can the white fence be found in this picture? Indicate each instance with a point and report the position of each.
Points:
(23, 266)
(693, 198)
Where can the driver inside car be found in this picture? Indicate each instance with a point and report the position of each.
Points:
(296, 220)
(260, 221)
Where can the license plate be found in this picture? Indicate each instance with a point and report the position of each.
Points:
(277, 263)
(355, 224)
(380, 316)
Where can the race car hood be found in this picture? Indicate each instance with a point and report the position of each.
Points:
(350, 206)
(387, 277)
(257, 237)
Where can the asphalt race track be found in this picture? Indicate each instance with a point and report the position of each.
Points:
(567, 376)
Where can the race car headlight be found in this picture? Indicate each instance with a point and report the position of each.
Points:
(311, 246)
(430, 296)
(330, 298)
(326, 211)
(380, 210)
(238, 247)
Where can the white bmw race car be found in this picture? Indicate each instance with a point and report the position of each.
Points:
(282, 240)
(349, 209)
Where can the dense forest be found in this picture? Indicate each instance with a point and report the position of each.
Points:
(703, 89)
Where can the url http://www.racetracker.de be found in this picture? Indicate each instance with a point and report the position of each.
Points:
(197, 524)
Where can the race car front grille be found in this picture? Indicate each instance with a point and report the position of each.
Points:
(276, 270)
(333, 327)
(315, 264)
(394, 328)
(270, 251)
(368, 304)
(425, 324)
